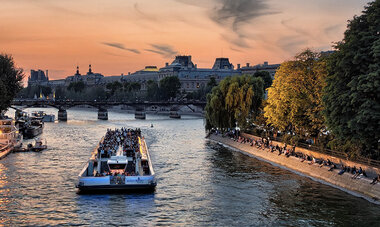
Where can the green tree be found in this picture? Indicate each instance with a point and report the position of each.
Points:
(216, 112)
(234, 101)
(352, 94)
(60, 93)
(130, 86)
(77, 87)
(210, 84)
(295, 99)
(135, 86)
(152, 91)
(266, 77)
(169, 87)
(10, 81)
(114, 87)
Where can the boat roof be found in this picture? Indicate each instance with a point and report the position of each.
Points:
(117, 160)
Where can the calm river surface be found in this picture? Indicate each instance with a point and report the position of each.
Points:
(198, 183)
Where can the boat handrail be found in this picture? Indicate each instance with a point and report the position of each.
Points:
(6, 147)
(149, 160)
(85, 166)
(94, 153)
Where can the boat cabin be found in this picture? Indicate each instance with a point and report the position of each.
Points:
(117, 164)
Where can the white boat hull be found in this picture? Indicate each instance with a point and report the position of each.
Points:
(124, 183)
(95, 177)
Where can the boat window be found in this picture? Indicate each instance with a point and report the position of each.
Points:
(117, 166)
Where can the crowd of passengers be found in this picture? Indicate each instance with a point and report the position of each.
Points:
(125, 138)
(115, 174)
(128, 140)
(267, 144)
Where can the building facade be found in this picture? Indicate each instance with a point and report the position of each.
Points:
(89, 79)
(191, 77)
(38, 77)
(270, 68)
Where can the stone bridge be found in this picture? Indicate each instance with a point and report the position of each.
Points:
(103, 106)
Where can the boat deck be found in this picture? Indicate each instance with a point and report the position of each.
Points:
(120, 162)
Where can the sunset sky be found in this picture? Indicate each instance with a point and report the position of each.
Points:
(121, 36)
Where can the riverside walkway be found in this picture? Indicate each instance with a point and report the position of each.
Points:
(360, 186)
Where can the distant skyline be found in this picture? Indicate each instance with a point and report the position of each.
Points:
(119, 36)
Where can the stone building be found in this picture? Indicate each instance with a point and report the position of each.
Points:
(89, 79)
(38, 77)
(142, 76)
(193, 78)
(260, 67)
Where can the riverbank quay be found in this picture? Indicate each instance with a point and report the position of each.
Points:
(360, 187)
(5, 150)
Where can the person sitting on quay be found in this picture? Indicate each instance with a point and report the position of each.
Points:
(353, 170)
(311, 160)
(272, 148)
(343, 170)
(375, 180)
(302, 157)
(363, 173)
(287, 153)
(332, 167)
(357, 174)
(323, 163)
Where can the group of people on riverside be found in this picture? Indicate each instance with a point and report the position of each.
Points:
(265, 143)
(125, 138)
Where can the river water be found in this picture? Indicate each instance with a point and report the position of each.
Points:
(199, 183)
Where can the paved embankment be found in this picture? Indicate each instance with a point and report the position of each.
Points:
(358, 187)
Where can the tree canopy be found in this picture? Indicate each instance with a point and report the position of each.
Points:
(131, 86)
(266, 77)
(352, 94)
(10, 81)
(77, 87)
(152, 90)
(295, 98)
(234, 100)
(169, 87)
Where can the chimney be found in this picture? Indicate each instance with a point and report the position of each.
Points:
(195, 66)
(166, 64)
(238, 66)
(265, 63)
(247, 64)
(129, 73)
(47, 74)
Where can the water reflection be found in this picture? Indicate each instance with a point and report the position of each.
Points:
(199, 182)
(4, 194)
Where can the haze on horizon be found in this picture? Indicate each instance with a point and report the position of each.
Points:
(121, 36)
